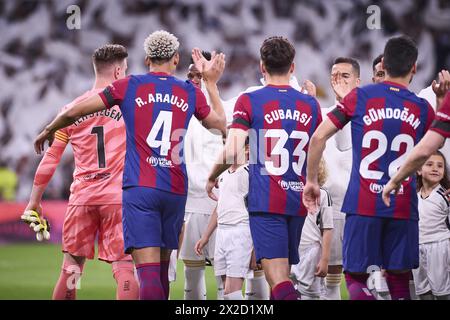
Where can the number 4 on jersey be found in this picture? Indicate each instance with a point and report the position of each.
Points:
(163, 121)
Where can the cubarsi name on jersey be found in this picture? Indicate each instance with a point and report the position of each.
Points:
(287, 114)
(160, 98)
(375, 115)
(111, 113)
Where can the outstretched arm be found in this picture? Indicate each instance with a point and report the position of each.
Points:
(429, 144)
(66, 118)
(211, 73)
(311, 193)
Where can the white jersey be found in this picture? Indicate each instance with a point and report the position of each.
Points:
(338, 160)
(315, 223)
(233, 191)
(434, 216)
(201, 149)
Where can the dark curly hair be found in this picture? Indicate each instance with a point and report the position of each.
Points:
(277, 55)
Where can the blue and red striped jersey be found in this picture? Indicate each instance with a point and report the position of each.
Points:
(441, 124)
(156, 109)
(280, 121)
(387, 121)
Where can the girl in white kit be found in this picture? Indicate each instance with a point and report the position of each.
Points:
(432, 278)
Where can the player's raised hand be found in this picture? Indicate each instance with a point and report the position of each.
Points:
(210, 185)
(310, 87)
(39, 142)
(441, 88)
(340, 86)
(387, 190)
(311, 197)
(200, 62)
(214, 73)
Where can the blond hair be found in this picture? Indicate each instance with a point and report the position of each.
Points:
(161, 45)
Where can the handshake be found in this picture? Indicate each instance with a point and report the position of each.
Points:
(38, 224)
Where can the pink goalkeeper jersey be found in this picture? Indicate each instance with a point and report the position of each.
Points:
(98, 142)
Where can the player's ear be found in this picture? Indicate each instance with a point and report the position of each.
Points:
(382, 64)
(147, 61)
(414, 68)
(292, 68)
(176, 59)
(358, 81)
(262, 68)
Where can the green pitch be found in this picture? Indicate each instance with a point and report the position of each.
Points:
(29, 271)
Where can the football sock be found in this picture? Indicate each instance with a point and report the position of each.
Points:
(257, 288)
(333, 283)
(219, 283)
(150, 287)
(236, 295)
(284, 291)
(357, 287)
(194, 283)
(127, 285)
(164, 277)
(398, 285)
(66, 287)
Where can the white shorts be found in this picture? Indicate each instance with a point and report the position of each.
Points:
(303, 272)
(433, 273)
(173, 266)
(233, 251)
(336, 242)
(194, 226)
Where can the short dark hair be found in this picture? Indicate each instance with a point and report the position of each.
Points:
(352, 61)
(206, 54)
(277, 55)
(400, 55)
(107, 55)
(376, 61)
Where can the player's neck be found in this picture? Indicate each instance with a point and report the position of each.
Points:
(277, 80)
(160, 69)
(101, 82)
(401, 81)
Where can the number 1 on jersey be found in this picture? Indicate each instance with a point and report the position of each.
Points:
(100, 145)
(164, 121)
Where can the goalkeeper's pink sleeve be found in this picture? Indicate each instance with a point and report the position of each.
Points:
(50, 160)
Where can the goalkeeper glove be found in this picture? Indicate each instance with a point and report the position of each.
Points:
(39, 225)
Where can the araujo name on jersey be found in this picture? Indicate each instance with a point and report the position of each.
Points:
(160, 98)
(287, 114)
(111, 113)
(375, 115)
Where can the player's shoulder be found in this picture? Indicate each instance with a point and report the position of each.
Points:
(80, 98)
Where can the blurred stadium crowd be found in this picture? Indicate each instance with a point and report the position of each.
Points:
(44, 65)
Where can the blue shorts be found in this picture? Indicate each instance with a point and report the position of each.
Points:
(391, 244)
(276, 236)
(151, 218)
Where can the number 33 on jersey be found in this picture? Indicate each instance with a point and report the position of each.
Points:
(387, 121)
(280, 121)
